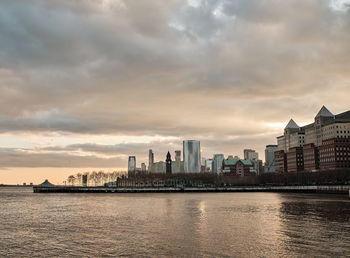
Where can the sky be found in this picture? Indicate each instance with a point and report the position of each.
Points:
(86, 83)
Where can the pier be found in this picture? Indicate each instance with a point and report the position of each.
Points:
(331, 189)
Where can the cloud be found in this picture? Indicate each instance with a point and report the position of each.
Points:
(13, 157)
(207, 70)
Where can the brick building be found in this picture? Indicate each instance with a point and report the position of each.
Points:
(322, 144)
(295, 160)
(280, 161)
(311, 157)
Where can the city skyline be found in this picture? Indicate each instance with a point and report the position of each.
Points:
(102, 80)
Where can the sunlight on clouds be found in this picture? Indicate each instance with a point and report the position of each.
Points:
(340, 5)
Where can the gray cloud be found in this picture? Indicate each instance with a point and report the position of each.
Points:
(212, 70)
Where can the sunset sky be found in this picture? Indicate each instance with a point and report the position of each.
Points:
(84, 84)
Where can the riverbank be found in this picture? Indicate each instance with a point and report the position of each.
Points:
(333, 189)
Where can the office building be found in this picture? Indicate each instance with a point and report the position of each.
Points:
(132, 164)
(217, 163)
(250, 154)
(191, 156)
(150, 161)
(208, 165)
(324, 143)
(270, 158)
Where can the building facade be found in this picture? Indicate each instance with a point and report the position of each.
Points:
(217, 163)
(132, 164)
(270, 158)
(238, 167)
(324, 143)
(192, 156)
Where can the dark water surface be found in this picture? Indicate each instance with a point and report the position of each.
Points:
(180, 225)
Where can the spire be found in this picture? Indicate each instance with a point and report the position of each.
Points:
(168, 156)
(292, 125)
(324, 112)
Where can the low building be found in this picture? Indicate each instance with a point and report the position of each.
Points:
(239, 167)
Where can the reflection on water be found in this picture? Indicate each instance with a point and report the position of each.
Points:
(209, 224)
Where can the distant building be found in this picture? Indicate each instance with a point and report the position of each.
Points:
(132, 164)
(270, 158)
(159, 167)
(168, 163)
(250, 154)
(239, 167)
(208, 165)
(217, 163)
(150, 161)
(143, 167)
(177, 155)
(192, 156)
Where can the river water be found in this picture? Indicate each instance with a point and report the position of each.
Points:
(173, 225)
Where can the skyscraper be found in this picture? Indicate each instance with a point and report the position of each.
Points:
(217, 163)
(270, 158)
(150, 161)
(192, 156)
(132, 164)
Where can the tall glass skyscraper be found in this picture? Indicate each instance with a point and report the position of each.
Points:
(192, 156)
(132, 164)
(217, 163)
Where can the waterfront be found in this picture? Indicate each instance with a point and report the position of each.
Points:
(179, 224)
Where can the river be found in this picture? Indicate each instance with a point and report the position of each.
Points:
(173, 225)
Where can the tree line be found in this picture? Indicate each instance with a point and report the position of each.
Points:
(94, 178)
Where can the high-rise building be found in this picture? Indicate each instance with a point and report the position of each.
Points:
(217, 163)
(270, 158)
(150, 161)
(168, 163)
(132, 164)
(192, 156)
